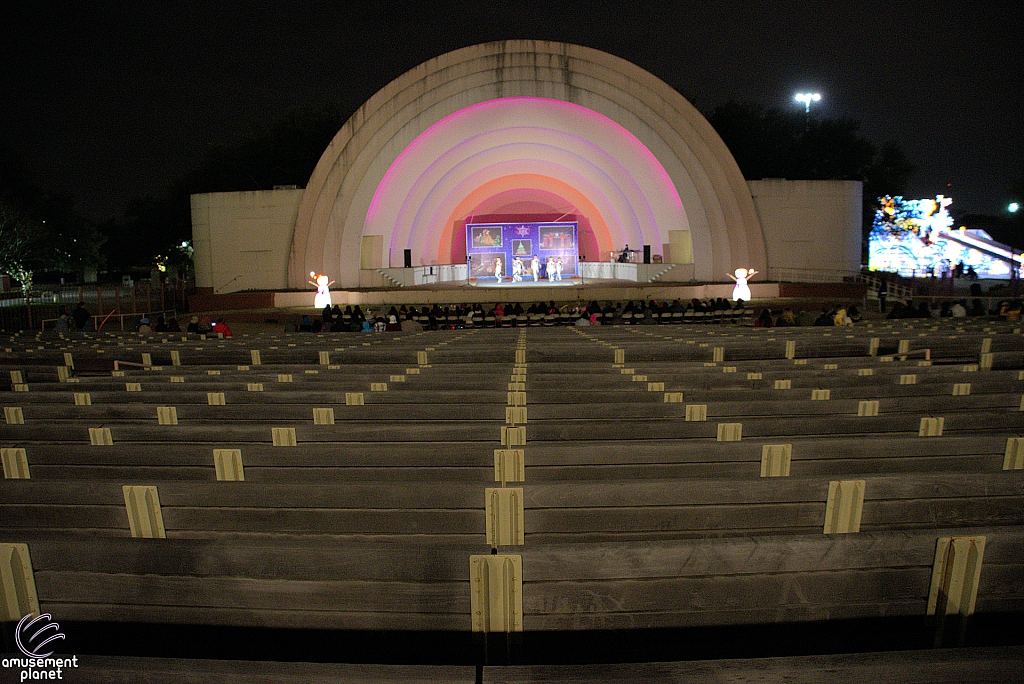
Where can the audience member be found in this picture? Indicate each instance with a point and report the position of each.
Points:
(805, 318)
(410, 324)
(221, 327)
(81, 317)
(764, 319)
(1010, 310)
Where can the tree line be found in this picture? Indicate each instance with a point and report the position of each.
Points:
(40, 232)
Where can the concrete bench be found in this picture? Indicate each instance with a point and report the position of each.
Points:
(753, 580)
(638, 510)
(810, 456)
(286, 582)
(203, 508)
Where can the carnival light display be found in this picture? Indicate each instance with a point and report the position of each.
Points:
(916, 238)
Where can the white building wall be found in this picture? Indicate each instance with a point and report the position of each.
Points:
(812, 229)
(243, 240)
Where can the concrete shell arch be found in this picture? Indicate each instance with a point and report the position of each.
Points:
(343, 201)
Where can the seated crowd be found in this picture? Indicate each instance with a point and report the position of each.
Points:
(437, 317)
(410, 317)
(1009, 310)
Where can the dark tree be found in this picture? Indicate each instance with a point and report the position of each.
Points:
(63, 241)
(24, 245)
(764, 142)
(282, 153)
(771, 143)
(1007, 227)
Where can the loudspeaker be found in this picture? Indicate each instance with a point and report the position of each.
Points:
(408, 258)
(647, 254)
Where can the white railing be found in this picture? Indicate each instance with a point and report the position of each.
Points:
(810, 275)
(896, 291)
(424, 275)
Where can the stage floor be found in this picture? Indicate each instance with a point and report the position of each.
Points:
(529, 283)
(489, 292)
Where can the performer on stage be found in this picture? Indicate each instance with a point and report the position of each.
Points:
(497, 269)
(558, 269)
(517, 270)
(535, 268)
(323, 293)
(740, 290)
(551, 268)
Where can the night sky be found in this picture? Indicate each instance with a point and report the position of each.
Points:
(110, 101)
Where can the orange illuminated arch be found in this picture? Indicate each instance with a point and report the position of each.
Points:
(521, 181)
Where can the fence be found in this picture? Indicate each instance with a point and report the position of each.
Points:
(46, 301)
(116, 321)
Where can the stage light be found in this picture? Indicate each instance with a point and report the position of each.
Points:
(807, 99)
(1013, 207)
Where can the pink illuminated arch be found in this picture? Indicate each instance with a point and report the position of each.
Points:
(517, 137)
(619, 146)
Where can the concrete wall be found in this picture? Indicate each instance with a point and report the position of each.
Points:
(812, 229)
(812, 232)
(243, 240)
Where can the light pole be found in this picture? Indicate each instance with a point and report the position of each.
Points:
(807, 99)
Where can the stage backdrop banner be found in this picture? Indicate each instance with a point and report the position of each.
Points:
(488, 242)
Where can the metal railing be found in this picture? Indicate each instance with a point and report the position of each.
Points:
(101, 321)
(45, 301)
(810, 275)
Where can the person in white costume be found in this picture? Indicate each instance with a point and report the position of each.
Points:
(535, 267)
(551, 268)
(323, 293)
(517, 270)
(740, 290)
(497, 269)
(558, 269)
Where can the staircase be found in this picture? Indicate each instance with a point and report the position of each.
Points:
(658, 270)
(392, 281)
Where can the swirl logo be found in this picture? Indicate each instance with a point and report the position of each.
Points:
(31, 635)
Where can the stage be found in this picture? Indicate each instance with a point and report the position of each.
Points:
(564, 292)
(507, 283)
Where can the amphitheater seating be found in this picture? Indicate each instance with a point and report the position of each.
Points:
(649, 501)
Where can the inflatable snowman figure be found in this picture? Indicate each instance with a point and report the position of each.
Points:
(741, 290)
(323, 292)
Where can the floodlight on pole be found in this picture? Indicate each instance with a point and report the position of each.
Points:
(1013, 207)
(807, 99)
